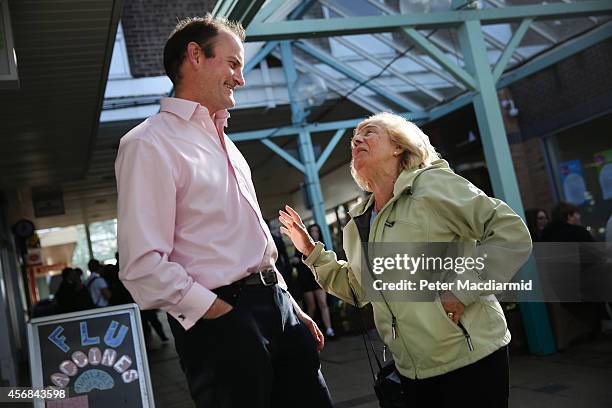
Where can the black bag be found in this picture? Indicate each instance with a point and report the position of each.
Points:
(387, 384)
(388, 387)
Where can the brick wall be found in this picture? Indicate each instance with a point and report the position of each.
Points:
(146, 26)
(568, 92)
(531, 174)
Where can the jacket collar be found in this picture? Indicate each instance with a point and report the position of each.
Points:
(402, 184)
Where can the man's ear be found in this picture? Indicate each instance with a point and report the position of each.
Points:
(194, 53)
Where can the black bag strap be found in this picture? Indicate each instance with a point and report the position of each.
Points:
(367, 339)
(365, 333)
(409, 191)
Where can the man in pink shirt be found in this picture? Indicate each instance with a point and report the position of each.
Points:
(193, 241)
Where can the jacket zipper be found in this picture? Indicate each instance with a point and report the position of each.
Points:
(467, 336)
(394, 334)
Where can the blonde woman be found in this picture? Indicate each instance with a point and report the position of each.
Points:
(451, 352)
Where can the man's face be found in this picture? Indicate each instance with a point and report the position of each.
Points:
(219, 75)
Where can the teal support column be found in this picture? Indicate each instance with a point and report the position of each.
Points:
(313, 185)
(306, 151)
(501, 169)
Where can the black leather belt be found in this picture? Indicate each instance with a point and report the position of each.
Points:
(231, 292)
(266, 277)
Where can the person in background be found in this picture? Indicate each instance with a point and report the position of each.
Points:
(537, 220)
(94, 266)
(566, 225)
(575, 320)
(98, 286)
(71, 296)
(119, 295)
(282, 262)
(79, 274)
(312, 292)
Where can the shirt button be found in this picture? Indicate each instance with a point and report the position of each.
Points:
(181, 316)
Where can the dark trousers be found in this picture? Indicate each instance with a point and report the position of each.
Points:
(149, 318)
(259, 355)
(483, 384)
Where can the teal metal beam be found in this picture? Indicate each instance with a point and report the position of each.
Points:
(421, 42)
(559, 53)
(243, 11)
(261, 54)
(297, 113)
(511, 47)
(501, 169)
(459, 4)
(268, 9)
(311, 28)
(457, 103)
(282, 153)
(488, 112)
(311, 128)
(454, 5)
(305, 149)
(313, 185)
(549, 58)
(357, 77)
(381, 63)
(329, 148)
(430, 66)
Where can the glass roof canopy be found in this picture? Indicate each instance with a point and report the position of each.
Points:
(390, 71)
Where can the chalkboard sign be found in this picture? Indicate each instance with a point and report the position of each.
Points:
(97, 356)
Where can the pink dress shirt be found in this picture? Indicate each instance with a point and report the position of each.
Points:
(188, 217)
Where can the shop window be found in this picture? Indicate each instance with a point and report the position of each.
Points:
(581, 164)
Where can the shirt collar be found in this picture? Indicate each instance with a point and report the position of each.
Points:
(221, 118)
(185, 109)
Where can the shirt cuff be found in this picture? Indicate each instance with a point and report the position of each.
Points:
(314, 255)
(192, 307)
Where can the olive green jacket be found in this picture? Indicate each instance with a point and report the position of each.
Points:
(432, 204)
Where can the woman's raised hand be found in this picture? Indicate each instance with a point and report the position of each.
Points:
(294, 228)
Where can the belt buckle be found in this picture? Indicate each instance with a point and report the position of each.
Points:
(268, 277)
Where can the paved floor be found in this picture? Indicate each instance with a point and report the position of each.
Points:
(579, 377)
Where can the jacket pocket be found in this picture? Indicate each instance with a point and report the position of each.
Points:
(444, 316)
(456, 327)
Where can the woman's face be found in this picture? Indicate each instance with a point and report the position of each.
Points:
(371, 147)
(574, 219)
(542, 220)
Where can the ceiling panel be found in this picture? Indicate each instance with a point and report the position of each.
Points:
(63, 51)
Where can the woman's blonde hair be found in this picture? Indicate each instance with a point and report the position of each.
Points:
(417, 151)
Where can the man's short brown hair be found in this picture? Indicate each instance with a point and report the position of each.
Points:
(563, 211)
(201, 30)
